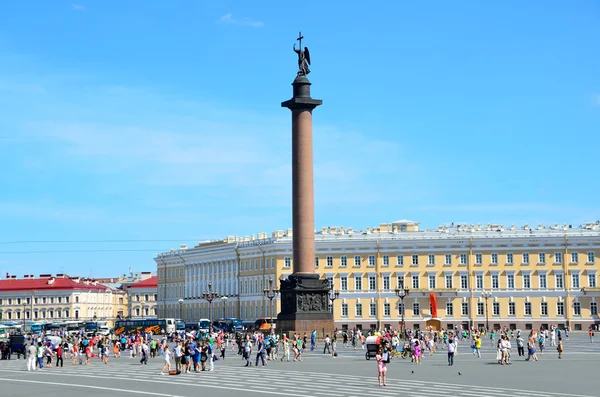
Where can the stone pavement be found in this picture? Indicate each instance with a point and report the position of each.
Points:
(320, 375)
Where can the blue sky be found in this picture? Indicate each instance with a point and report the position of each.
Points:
(152, 120)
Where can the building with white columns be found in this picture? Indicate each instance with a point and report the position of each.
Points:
(456, 275)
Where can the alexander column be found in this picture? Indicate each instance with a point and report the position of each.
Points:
(304, 296)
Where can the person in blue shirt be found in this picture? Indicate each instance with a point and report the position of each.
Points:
(260, 351)
(313, 340)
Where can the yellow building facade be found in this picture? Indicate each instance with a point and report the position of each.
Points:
(527, 277)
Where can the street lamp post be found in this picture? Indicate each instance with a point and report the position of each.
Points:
(210, 296)
(333, 295)
(401, 293)
(224, 299)
(486, 295)
(271, 293)
(180, 308)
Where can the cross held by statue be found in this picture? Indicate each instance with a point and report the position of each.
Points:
(300, 37)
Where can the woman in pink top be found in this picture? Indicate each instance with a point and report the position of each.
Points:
(417, 352)
(381, 367)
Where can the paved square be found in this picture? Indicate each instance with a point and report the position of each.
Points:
(350, 374)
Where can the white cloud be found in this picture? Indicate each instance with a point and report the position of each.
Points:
(245, 21)
(77, 7)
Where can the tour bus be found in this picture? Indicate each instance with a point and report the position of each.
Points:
(230, 324)
(33, 328)
(6, 330)
(51, 328)
(73, 327)
(203, 325)
(264, 324)
(179, 325)
(153, 325)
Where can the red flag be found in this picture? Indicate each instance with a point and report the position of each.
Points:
(433, 303)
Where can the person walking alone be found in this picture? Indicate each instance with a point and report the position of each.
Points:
(167, 356)
(31, 357)
(381, 367)
(451, 350)
(327, 342)
(59, 356)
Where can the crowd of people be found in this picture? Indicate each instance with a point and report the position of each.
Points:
(197, 352)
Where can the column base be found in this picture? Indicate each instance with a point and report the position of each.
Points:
(304, 306)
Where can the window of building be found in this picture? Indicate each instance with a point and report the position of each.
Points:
(544, 308)
(386, 283)
(575, 280)
(372, 309)
(525, 257)
(542, 257)
(432, 281)
(330, 282)
(558, 257)
(400, 281)
(416, 309)
(448, 278)
(480, 309)
(465, 308)
(560, 308)
(431, 260)
(496, 308)
(386, 260)
(330, 307)
(574, 257)
(592, 280)
(344, 310)
(344, 283)
(559, 280)
(510, 281)
(528, 308)
(509, 258)
(495, 281)
(386, 309)
(494, 259)
(316, 262)
(44, 300)
(543, 281)
(76, 300)
(448, 259)
(372, 283)
(576, 308)
(357, 261)
(287, 262)
(343, 261)
(415, 260)
(358, 282)
(146, 297)
(526, 280)
(359, 310)
(591, 257)
(594, 308)
(512, 308)
(464, 281)
(371, 260)
(449, 309)
(463, 259)
(59, 299)
(478, 259)
(400, 260)
(415, 281)
(479, 281)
